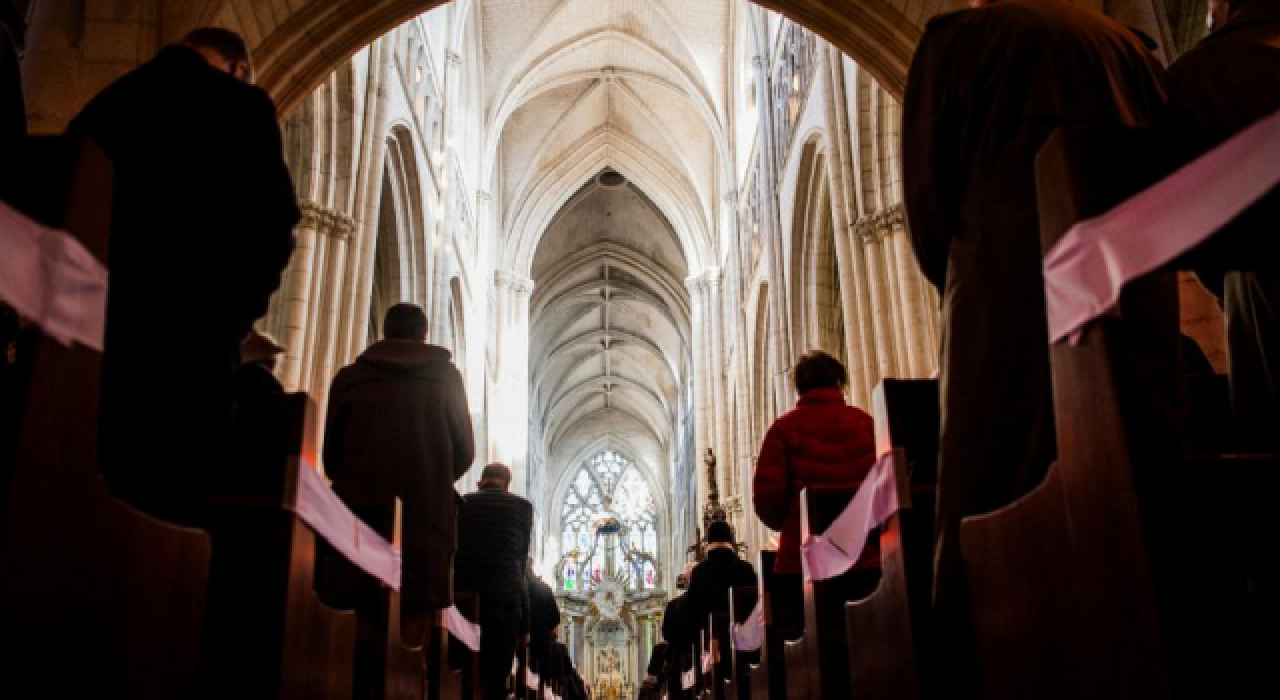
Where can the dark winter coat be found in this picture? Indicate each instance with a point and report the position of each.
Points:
(1229, 81)
(494, 531)
(711, 580)
(985, 90)
(544, 615)
(202, 228)
(398, 427)
(823, 441)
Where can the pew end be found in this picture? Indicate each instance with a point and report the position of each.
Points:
(267, 632)
(75, 562)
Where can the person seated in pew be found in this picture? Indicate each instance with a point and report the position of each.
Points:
(711, 580)
(679, 633)
(655, 673)
(202, 224)
(259, 355)
(823, 441)
(398, 426)
(1226, 83)
(986, 88)
(494, 531)
(544, 617)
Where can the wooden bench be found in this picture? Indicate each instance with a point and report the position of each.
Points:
(817, 662)
(456, 677)
(266, 632)
(889, 631)
(737, 683)
(96, 598)
(768, 676)
(1125, 574)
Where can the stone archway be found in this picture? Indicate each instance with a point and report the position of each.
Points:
(297, 44)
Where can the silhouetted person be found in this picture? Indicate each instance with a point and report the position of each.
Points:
(544, 617)
(1226, 83)
(398, 427)
(259, 355)
(711, 580)
(823, 441)
(494, 529)
(986, 88)
(202, 227)
(678, 631)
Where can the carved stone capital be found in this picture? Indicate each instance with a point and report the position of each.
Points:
(312, 215)
(516, 284)
(867, 230)
(342, 227)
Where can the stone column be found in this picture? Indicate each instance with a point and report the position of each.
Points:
(879, 306)
(358, 287)
(510, 408)
(296, 296)
(703, 431)
(779, 305)
(329, 319)
(894, 301)
(855, 305)
(914, 313)
(716, 367)
(446, 181)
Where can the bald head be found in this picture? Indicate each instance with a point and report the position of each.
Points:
(495, 475)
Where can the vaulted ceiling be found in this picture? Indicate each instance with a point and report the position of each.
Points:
(609, 325)
(640, 81)
(607, 123)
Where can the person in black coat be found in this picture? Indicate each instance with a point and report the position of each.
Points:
(202, 228)
(711, 580)
(544, 617)
(494, 528)
(679, 635)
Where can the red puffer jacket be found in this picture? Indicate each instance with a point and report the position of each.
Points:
(821, 442)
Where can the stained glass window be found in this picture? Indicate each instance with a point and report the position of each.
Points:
(608, 483)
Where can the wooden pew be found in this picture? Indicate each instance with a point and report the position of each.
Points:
(387, 666)
(817, 663)
(737, 686)
(266, 632)
(1095, 585)
(455, 677)
(889, 632)
(96, 598)
(769, 675)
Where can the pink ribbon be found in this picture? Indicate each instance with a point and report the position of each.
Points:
(462, 629)
(531, 679)
(687, 679)
(49, 278)
(320, 507)
(833, 552)
(1085, 271)
(749, 636)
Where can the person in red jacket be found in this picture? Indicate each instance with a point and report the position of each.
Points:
(823, 441)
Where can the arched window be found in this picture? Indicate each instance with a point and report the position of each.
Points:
(609, 525)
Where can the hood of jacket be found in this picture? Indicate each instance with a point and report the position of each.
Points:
(408, 358)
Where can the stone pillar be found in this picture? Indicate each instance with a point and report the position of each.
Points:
(510, 407)
(920, 355)
(855, 306)
(779, 305)
(358, 289)
(703, 431)
(716, 367)
(446, 182)
(330, 320)
(296, 297)
(878, 305)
